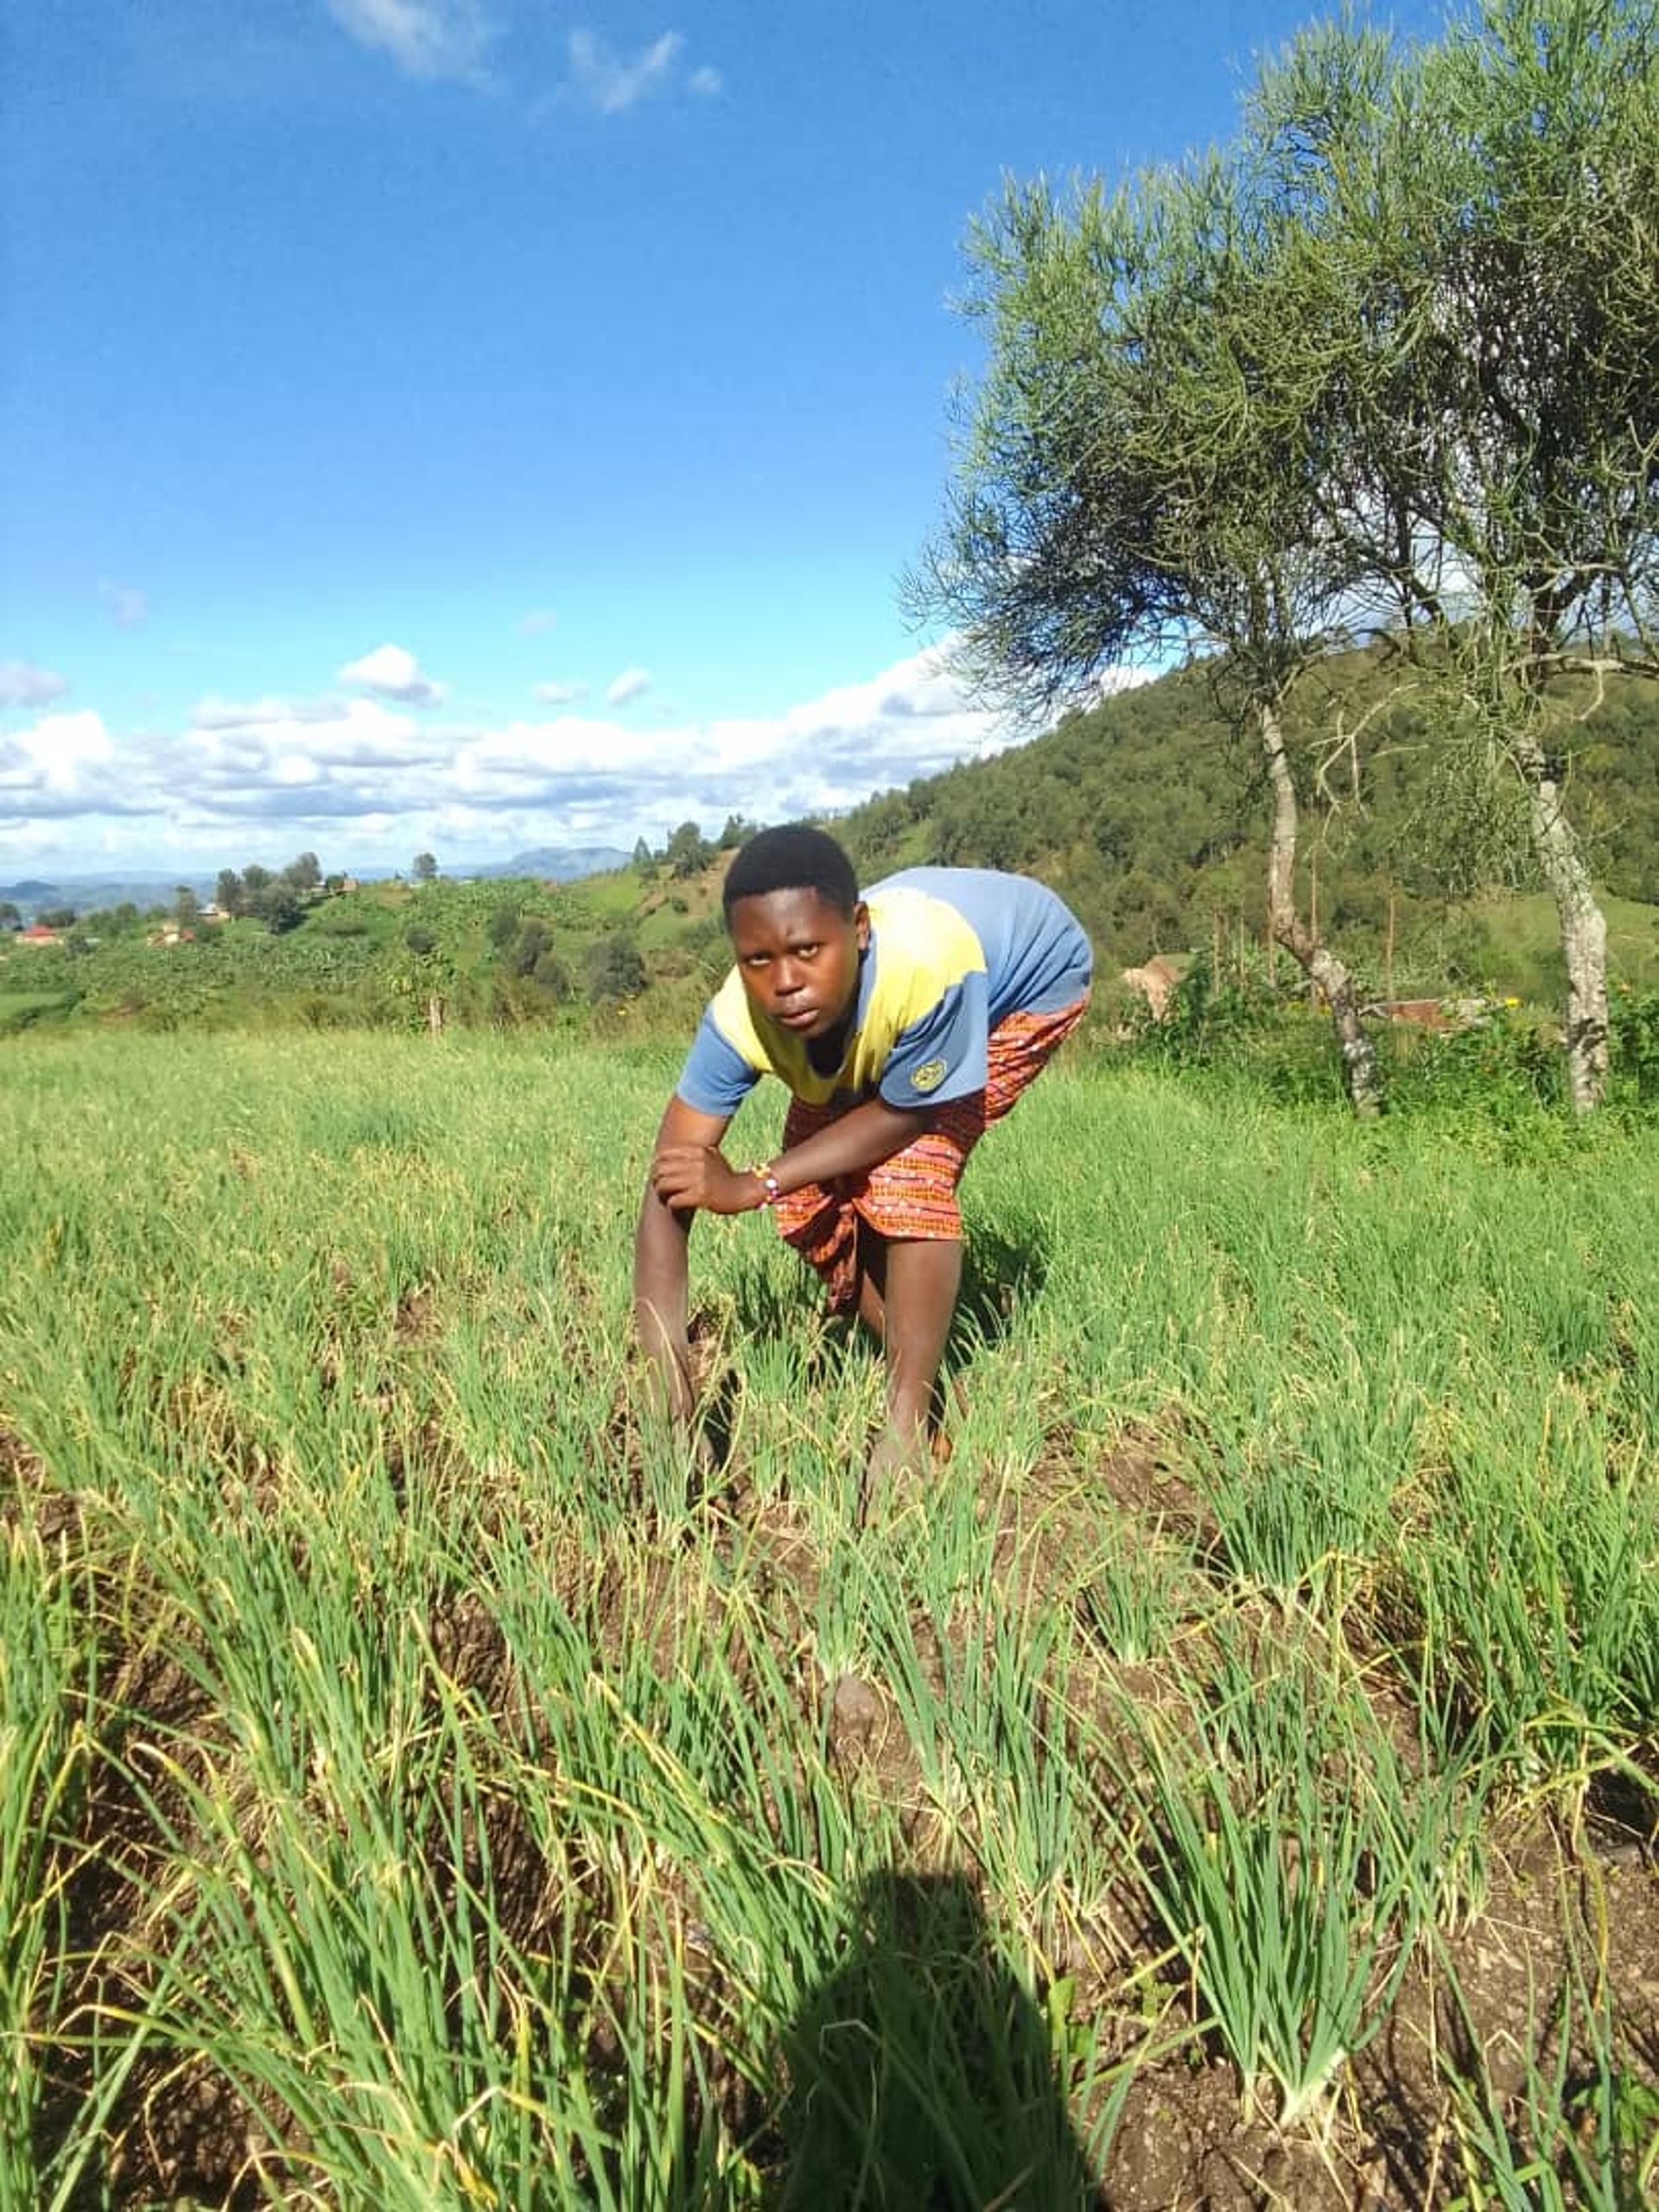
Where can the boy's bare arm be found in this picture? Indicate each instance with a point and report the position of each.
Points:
(660, 1263)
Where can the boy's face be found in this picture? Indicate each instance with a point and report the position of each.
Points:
(798, 957)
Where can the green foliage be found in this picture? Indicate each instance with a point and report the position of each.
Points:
(1635, 1036)
(533, 940)
(552, 977)
(21, 1010)
(279, 905)
(613, 969)
(688, 851)
(1499, 1064)
(1207, 1014)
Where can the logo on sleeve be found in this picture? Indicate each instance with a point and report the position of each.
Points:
(929, 1076)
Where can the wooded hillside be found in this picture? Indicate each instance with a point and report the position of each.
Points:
(1150, 817)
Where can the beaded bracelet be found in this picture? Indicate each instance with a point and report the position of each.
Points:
(768, 1182)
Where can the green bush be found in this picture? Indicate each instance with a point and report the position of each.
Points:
(1633, 1039)
(1504, 1065)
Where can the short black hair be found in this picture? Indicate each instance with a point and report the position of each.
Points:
(793, 858)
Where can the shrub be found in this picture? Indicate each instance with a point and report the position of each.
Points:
(1633, 1039)
(613, 969)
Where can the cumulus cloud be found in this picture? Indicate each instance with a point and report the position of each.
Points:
(368, 778)
(361, 735)
(607, 82)
(560, 694)
(128, 608)
(393, 674)
(60, 766)
(425, 38)
(630, 684)
(25, 684)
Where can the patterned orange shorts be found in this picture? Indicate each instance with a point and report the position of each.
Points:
(914, 1193)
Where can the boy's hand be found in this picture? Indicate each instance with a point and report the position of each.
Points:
(696, 1178)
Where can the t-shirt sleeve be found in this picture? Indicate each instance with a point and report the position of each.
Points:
(940, 1055)
(715, 1078)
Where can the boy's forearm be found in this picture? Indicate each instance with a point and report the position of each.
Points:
(661, 1274)
(859, 1140)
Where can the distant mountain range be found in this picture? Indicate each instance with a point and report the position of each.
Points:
(566, 862)
(87, 894)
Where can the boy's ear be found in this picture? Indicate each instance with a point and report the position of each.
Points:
(861, 925)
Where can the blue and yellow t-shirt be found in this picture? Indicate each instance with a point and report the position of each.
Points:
(952, 952)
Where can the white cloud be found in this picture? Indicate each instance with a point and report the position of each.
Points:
(425, 38)
(367, 779)
(705, 83)
(560, 694)
(61, 766)
(630, 684)
(128, 607)
(605, 81)
(357, 742)
(538, 621)
(214, 713)
(25, 684)
(394, 674)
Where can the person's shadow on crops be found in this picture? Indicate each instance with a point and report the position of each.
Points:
(919, 2075)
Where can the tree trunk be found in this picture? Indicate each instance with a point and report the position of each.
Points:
(1360, 1075)
(1584, 926)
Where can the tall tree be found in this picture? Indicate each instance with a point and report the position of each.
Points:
(1136, 479)
(1483, 225)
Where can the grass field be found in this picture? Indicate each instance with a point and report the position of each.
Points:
(1235, 1783)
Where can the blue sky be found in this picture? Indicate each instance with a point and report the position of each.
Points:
(465, 425)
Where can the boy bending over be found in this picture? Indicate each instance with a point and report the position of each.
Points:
(904, 1023)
